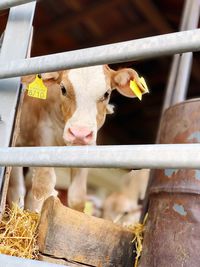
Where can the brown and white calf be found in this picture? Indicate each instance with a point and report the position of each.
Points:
(123, 207)
(76, 107)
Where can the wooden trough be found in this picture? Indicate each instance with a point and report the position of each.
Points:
(75, 239)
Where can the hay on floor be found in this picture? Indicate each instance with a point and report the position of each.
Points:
(18, 233)
(138, 231)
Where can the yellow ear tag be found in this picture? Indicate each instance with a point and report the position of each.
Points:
(88, 208)
(37, 88)
(142, 81)
(136, 90)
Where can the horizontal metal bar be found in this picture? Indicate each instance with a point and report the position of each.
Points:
(11, 261)
(129, 156)
(149, 47)
(4, 4)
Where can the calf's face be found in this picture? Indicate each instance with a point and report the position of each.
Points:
(84, 98)
(85, 95)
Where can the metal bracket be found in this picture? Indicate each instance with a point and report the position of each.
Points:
(15, 45)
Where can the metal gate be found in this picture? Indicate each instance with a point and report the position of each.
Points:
(132, 156)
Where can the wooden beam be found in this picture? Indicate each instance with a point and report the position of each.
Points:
(128, 33)
(94, 28)
(73, 4)
(153, 15)
(91, 11)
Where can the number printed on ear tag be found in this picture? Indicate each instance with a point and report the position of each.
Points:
(37, 88)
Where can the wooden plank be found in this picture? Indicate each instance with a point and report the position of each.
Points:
(97, 8)
(76, 237)
(153, 15)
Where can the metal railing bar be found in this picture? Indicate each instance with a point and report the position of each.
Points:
(184, 71)
(176, 58)
(183, 77)
(161, 45)
(186, 14)
(171, 82)
(127, 156)
(5, 4)
(10, 261)
(15, 44)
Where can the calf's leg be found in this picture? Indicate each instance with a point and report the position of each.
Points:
(42, 186)
(77, 191)
(16, 189)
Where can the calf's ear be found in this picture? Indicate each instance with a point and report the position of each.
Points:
(120, 80)
(56, 76)
(27, 79)
(51, 76)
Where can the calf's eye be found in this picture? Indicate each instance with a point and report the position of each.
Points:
(63, 89)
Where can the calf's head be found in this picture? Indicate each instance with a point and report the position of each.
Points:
(84, 98)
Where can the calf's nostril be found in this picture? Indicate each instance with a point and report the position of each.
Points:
(71, 132)
(81, 133)
(89, 135)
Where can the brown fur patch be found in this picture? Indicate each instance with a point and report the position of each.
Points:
(69, 101)
(108, 75)
(34, 110)
(101, 113)
(43, 182)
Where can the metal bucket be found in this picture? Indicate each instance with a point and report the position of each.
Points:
(172, 233)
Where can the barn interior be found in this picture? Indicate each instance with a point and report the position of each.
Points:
(62, 25)
(69, 25)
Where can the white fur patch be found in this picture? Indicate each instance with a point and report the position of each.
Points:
(89, 86)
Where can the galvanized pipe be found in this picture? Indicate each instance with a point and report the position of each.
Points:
(185, 15)
(162, 45)
(183, 77)
(193, 17)
(5, 4)
(184, 71)
(176, 59)
(171, 82)
(128, 156)
(10, 261)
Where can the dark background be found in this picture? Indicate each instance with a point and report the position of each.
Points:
(64, 25)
